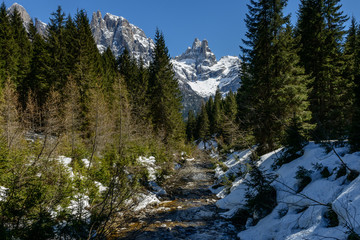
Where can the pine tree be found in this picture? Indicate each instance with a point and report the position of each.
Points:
(321, 29)
(8, 48)
(164, 94)
(230, 129)
(110, 70)
(87, 70)
(352, 52)
(273, 85)
(59, 71)
(217, 114)
(38, 80)
(190, 126)
(202, 125)
(21, 39)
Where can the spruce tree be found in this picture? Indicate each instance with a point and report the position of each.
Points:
(110, 69)
(38, 80)
(23, 48)
(190, 126)
(59, 71)
(352, 53)
(202, 125)
(8, 48)
(321, 29)
(164, 94)
(273, 85)
(217, 114)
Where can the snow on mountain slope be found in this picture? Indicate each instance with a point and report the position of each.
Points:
(199, 68)
(198, 71)
(298, 215)
(117, 33)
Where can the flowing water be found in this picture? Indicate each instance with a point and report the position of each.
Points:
(188, 213)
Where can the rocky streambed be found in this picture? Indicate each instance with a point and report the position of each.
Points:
(187, 212)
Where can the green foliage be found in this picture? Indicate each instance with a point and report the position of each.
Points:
(320, 28)
(331, 218)
(191, 126)
(303, 177)
(260, 196)
(202, 125)
(273, 89)
(341, 172)
(325, 172)
(353, 236)
(353, 174)
(75, 102)
(164, 94)
(240, 218)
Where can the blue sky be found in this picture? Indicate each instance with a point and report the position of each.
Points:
(221, 22)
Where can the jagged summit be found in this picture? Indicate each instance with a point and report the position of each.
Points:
(198, 68)
(199, 52)
(117, 33)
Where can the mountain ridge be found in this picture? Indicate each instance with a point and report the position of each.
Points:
(198, 71)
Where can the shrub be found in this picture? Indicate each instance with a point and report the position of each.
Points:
(303, 177)
(352, 175)
(353, 236)
(331, 217)
(325, 172)
(240, 217)
(341, 172)
(260, 195)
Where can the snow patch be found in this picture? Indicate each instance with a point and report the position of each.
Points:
(297, 216)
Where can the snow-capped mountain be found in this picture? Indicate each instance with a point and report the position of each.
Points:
(117, 33)
(198, 71)
(41, 27)
(199, 68)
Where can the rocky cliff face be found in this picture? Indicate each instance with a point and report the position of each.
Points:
(199, 68)
(23, 13)
(117, 34)
(198, 71)
(40, 26)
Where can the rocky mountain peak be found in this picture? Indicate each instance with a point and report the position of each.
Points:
(23, 13)
(117, 33)
(200, 53)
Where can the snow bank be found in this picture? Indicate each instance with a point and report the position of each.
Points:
(145, 199)
(298, 216)
(3, 193)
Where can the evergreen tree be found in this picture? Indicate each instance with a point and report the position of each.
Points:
(209, 106)
(190, 126)
(321, 29)
(273, 86)
(59, 71)
(87, 70)
(21, 39)
(71, 43)
(217, 114)
(352, 52)
(202, 124)
(230, 106)
(110, 72)
(38, 80)
(8, 48)
(164, 94)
